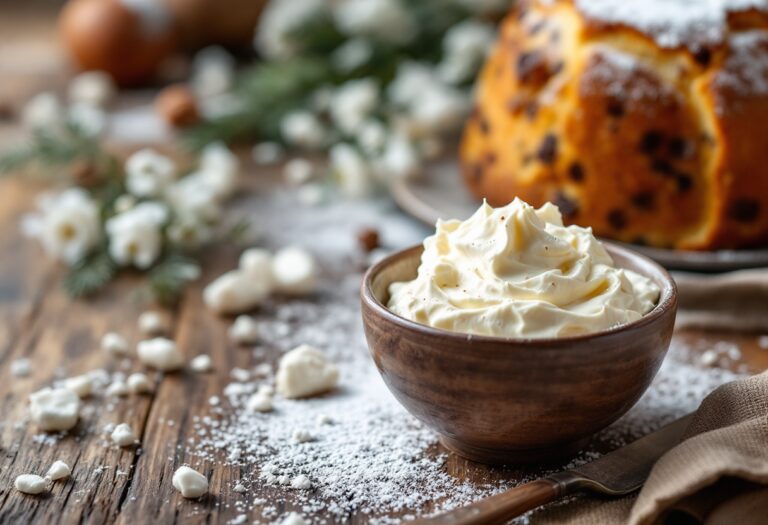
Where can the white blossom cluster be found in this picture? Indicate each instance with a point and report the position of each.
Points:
(159, 208)
(378, 132)
(88, 95)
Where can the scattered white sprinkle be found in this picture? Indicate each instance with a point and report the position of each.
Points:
(139, 383)
(709, 358)
(114, 344)
(160, 353)
(58, 470)
(190, 482)
(81, 385)
(301, 482)
(762, 342)
(31, 484)
(123, 435)
(301, 436)
(118, 388)
(201, 363)
(54, 409)
(244, 330)
(21, 367)
(151, 323)
(239, 488)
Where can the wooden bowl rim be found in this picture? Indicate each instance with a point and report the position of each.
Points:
(667, 303)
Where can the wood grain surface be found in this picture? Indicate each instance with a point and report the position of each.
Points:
(60, 336)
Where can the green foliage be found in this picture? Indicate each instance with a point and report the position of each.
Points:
(170, 276)
(267, 91)
(90, 275)
(52, 148)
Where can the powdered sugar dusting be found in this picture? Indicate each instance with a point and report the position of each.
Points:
(745, 71)
(671, 23)
(365, 453)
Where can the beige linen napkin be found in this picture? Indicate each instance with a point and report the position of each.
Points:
(717, 475)
(735, 301)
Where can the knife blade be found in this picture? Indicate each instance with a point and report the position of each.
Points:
(619, 472)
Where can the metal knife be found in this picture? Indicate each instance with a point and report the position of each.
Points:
(618, 473)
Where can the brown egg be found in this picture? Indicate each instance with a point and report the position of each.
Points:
(128, 39)
(225, 22)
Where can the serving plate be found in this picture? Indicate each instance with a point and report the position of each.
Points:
(439, 192)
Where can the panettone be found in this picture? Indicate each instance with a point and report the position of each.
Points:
(647, 120)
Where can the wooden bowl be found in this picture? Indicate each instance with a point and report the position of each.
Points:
(499, 400)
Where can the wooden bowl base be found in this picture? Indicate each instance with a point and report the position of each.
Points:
(494, 456)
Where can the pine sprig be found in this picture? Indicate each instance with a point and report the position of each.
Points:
(170, 276)
(266, 93)
(90, 275)
(57, 146)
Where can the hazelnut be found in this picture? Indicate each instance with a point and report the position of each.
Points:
(177, 106)
(85, 173)
(368, 239)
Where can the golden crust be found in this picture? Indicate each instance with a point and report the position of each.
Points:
(650, 144)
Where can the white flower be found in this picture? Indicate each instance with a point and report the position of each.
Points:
(265, 153)
(213, 71)
(439, 110)
(148, 173)
(302, 129)
(411, 79)
(220, 169)
(189, 231)
(279, 21)
(135, 236)
(90, 120)
(43, 111)
(385, 20)
(95, 88)
(400, 158)
(352, 54)
(351, 170)
(353, 102)
(465, 46)
(431, 106)
(372, 136)
(68, 226)
(193, 198)
(298, 171)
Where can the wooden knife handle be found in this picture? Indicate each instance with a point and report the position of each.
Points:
(502, 507)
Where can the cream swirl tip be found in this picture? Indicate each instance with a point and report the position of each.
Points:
(518, 272)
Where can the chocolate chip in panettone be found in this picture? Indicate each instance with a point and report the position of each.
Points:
(477, 172)
(547, 152)
(744, 209)
(368, 239)
(644, 200)
(576, 172)
(650, 142)
(531, 109)
(663, 167)
(516, 104)
(677, 147)
(490, 158)
(568, 206)
(615, 107)
(703, 56)
(617, 219)
(557, 68)
(531, 68)
(535, 28)
(684, 182)
(6, 111)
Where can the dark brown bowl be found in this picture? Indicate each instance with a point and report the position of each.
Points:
(499, 400)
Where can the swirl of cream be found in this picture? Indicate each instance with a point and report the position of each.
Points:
(518, 272)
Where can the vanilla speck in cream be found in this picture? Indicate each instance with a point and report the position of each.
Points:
(518, 272)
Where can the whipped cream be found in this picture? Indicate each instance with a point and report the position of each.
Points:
(517, 271)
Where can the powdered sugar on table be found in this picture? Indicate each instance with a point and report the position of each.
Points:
(361, 452)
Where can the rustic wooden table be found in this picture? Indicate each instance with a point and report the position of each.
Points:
(38, 321)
